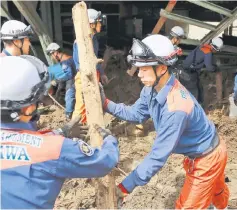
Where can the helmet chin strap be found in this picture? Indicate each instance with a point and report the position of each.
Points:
(156, 82)
(20, 48)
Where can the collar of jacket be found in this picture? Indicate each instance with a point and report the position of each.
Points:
(206, 48)
(163, 93)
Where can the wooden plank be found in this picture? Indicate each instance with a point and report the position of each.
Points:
(211, 6)
(28, 11)
(57, 23)
(105, 197)
(221, 27)
(187, 20)
(4, 11)
(162, 20)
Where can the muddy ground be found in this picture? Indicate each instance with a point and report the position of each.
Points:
(163, 189)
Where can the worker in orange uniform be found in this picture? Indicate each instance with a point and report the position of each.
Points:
(96, 20)
(181, 125)
(201, 56)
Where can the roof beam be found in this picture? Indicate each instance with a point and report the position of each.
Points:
(187, 20)
(221, 27)
(212, 7)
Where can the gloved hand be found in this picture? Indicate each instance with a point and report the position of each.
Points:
(102, 94)
(53, 83)
(103, 132)
(121, 193)
(179, 51)
(81, 130)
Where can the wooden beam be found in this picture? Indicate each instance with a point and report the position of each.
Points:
(162, 20)
(57, 23)
(212, 7)
(221, 27)
(4, 11)
(46, 16)
(105, 197)
(28, 11)
(187, 20)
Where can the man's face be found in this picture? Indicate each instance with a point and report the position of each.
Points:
(176, 41)
(54, 56)
(147, 74)
(96, 27)
(25, 45)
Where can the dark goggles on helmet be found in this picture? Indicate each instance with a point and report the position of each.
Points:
(140, 52)
(101, 18)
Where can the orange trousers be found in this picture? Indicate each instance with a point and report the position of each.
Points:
(205, 181)
(80, 109)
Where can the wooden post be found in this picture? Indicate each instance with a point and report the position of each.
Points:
(105, 197)
(162, 20)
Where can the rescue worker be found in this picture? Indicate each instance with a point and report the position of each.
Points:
(63, 72)
(35, 164)
(181, 125)
(195, 61)
(16, 38)
(96, 19)
(235, 90)
(176, 34)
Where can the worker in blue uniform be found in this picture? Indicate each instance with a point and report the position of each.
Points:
(35, 164)
(181, 125)
(196, 60)
(63, 72)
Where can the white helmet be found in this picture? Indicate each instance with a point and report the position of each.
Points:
(177, 31)
(22, 81)
(217, 43)
(95, 16)
(153, 50)
(14, 29)
(52, 47)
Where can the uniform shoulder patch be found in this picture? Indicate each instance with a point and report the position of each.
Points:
(85, 148)
(179, 99)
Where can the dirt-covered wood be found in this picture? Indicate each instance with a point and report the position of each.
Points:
(105, 195)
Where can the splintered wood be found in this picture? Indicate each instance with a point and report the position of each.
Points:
(105, 196)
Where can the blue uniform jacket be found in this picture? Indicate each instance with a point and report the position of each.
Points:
(203, 58)
(235, 88)
(96, 50)
(181, 125)
(62, 71)
(34, 166)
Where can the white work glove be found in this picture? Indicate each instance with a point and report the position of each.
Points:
(53, 83)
